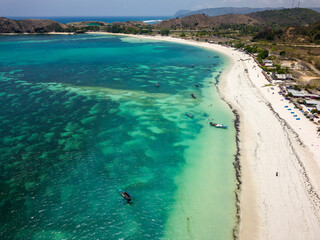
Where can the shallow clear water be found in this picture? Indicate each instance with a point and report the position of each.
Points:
(81, 117)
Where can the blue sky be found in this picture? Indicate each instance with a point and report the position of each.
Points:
(129, 7)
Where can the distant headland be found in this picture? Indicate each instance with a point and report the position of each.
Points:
(47, 26)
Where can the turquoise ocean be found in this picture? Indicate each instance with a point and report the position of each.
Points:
(81, 117)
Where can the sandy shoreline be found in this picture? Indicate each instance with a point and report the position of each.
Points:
(271, 140)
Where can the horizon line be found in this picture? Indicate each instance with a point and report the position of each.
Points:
(90, 16)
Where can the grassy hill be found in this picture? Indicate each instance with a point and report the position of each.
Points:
(211, 12)
(201, 21)
(303, 34)
(283, 17)
(293, 16)
(30, 26)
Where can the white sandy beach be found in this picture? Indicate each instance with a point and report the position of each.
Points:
(271, 140)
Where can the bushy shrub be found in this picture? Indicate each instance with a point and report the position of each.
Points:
(164, 32)
(239, 45)
(282, 53)
(263, 54)
(296, 87)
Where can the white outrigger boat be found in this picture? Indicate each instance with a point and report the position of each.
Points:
(217, 125)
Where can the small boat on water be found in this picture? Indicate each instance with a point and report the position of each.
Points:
(125, 196)
(217, 125)
(196, 84)
(193, 96)
(189, 115)
(157, 85)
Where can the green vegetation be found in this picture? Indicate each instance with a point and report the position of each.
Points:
(252, 49)
(118, 28)
(314, 33)
(268, 33)
(164, 32)
(239, 29)
(239, 45)
(91, 28)
(263, 54)
(317, 63)
(280, 70)
(282, 53)
(297, 87)
(203, 33)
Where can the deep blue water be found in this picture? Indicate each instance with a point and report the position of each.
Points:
(80, 117)
(147, 19)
